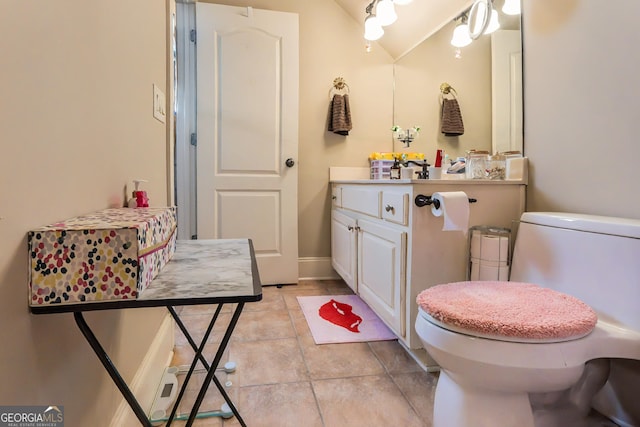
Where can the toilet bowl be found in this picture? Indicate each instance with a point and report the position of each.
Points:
(487, 379)
(486, 382)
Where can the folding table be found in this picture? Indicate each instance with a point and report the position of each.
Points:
(216, 272)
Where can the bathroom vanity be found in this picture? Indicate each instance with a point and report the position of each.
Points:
(388, 249)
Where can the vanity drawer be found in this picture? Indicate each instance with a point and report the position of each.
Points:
(395, 207)
(363, 200)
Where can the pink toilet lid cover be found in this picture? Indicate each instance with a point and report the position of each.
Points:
(509, 309)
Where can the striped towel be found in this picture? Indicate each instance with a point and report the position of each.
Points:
(451, 118)
(340, 115)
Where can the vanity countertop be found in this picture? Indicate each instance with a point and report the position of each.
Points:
(360, 175)
(431, 181)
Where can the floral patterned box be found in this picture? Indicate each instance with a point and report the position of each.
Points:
(106, 255)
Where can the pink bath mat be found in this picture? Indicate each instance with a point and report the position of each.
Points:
(342, 318)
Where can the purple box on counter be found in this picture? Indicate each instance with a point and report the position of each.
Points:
(111, 254)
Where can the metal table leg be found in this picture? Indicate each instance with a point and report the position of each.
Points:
(211, 368)
(196, 357)
(128, 395)
(111, 369)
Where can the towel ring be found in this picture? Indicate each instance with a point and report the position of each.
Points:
(446, 89)
(339, 87)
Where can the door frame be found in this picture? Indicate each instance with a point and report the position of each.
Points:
(186, 123)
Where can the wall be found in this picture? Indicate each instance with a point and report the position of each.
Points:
(582, 98)
(331, 45)
(77, 127)
(418, 76)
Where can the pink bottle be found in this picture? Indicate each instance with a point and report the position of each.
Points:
(139, 197)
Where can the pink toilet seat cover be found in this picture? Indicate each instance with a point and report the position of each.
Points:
(509, 310)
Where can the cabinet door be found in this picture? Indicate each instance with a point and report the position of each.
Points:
(382, 261)
(343, 247)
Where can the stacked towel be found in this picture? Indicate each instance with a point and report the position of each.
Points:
(451, 118)
(340, 115)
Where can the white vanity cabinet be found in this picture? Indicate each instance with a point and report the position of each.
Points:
(369, 246)
(388, 250)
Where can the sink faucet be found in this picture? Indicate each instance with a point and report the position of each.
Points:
(424, 174)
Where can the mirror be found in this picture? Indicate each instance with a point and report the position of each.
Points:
(486, 76)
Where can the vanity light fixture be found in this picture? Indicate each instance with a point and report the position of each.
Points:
(482, 18)
(380, 13)
(386, 12)
(511, 7)
(494, 24)
(372, 28)
(461, 33)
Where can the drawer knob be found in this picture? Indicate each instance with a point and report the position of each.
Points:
(334, 197)
(389, 208)
(350, 228)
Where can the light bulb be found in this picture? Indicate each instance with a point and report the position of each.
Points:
(386, 12)
(511, 7)
(461, 36)
(372, 28)
(494, 24)
(402, 2)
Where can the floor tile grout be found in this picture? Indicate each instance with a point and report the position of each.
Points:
(278, 300)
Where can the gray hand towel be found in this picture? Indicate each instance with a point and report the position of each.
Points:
(340, 115)
(451, 118)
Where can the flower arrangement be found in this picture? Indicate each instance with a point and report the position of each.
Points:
(406, 136)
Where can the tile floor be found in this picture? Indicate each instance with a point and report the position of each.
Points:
(284, 379)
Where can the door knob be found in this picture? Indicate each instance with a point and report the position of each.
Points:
(289, 162)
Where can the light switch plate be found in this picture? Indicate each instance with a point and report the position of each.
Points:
(159, 104)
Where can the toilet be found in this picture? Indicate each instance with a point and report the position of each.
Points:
(544, 371)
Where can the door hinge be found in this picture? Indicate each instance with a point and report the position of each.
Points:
(194, 139)
(192, 35)
(194, 237)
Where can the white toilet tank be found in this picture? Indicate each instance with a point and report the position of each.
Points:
(596, 259)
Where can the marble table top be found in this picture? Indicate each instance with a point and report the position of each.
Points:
(204, 269)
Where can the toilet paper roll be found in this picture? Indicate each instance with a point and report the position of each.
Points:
(489, 247)
(482, 271)
(476, 242)
(454, 206)
(489, 272)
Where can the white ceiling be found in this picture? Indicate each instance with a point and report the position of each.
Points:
(416, 21)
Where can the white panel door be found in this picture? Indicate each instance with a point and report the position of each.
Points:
(506, 90)
(247, 76)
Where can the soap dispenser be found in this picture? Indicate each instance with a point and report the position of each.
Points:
(139, 197)
(395, 169)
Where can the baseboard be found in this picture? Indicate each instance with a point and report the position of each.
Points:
(145, 382)
(316, 268)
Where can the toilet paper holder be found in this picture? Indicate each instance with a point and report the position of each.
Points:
(422, 200)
